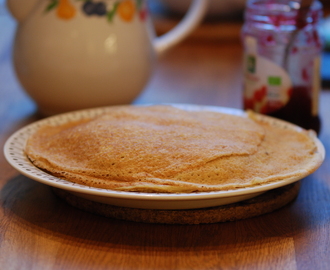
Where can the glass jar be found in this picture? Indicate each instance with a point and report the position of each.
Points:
(282, 61)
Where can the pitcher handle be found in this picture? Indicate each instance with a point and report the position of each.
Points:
(190, 21)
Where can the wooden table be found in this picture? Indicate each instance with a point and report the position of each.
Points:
(40, 231)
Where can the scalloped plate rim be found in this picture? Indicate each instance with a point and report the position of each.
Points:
(14, 154)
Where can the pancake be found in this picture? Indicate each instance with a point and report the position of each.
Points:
(166, 149)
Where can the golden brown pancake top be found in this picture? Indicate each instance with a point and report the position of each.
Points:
(166, 149)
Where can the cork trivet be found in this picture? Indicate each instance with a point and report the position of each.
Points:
(262, 204)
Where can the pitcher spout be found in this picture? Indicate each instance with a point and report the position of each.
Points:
(20, 8)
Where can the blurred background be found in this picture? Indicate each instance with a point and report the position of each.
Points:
(222, 24)
(224, 21)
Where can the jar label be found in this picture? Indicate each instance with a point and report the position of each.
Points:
(267, 86)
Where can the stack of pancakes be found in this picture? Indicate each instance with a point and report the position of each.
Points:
(166, 149)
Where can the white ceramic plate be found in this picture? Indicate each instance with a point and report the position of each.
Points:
(14, 153)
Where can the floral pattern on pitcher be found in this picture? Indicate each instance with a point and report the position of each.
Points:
(125, 10)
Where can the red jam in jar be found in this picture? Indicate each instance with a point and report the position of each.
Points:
(282, 74)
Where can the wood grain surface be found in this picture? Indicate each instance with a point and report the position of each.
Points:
(40, 231)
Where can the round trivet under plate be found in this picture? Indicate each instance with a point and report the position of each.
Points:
(262, 204)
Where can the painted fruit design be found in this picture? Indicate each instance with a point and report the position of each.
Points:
(125, 10)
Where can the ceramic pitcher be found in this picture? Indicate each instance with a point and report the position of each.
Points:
(77, 54)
